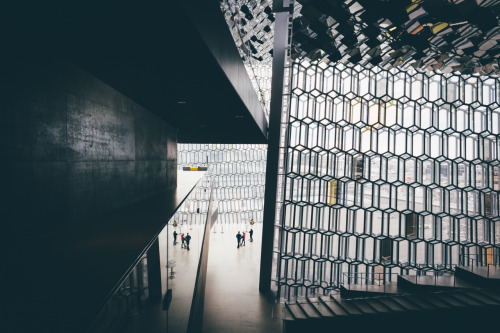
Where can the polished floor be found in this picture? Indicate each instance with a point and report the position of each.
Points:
(183, 281)
(60, 278)
(232, 299)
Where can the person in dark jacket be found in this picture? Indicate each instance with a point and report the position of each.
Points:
(175, 237)
(238, 238)
(187, 239)
(251, 235)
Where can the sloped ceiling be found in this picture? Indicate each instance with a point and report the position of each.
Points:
(445, 35)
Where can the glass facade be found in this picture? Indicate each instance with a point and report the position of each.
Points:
(445, 35)
(386, 171)
(195, 208)
(238, 171)
(252, 26)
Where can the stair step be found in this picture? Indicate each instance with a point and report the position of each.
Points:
(467, 299)
(423, 304)
(378, 306)
(451, 301)
(362, 305)
(321, 307)
(406, 304)
(490, 294)
(334, 307)
(437, 301)
(481, 298)
(347, 305)
(296, 311)
(391, 304)
(308, 309)
(287, 315)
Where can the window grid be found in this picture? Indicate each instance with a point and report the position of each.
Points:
(238, 171)
(387, 171)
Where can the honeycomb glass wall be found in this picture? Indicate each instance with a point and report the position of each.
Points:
(387, 171)
(239, 177)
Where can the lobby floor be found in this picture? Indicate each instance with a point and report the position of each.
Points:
(232, 299)
(186, 265)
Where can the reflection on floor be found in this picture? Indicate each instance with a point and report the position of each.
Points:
(186, 265)
(232, 299)
(152, 318)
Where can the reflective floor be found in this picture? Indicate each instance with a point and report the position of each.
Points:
(183, 281)
(232, 300)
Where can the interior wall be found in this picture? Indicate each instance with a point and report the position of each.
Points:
(73, 150)
(75, 147)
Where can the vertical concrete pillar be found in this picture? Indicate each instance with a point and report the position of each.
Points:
(281, 9)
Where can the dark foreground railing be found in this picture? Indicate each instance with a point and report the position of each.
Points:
(134, 289)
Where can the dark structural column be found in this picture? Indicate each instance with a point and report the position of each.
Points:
(281, 35)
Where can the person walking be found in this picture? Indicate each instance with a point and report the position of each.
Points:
(182, 241)
(243, 239)
(187, 239)
(238, 238)
(175, 237)
(251, 235)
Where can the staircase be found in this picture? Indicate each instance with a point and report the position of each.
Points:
(468, 300)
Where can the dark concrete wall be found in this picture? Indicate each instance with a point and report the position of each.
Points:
(74, 147)
(75, 154)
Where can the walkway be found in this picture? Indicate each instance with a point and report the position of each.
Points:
(232, 299)
(182, 284)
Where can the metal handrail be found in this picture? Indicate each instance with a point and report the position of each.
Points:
(355, 275)
(486, 256)
(368, 277)
(436, 277)
(479, 262)
(98, 316)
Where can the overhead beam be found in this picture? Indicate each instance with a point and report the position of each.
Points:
(208, 18)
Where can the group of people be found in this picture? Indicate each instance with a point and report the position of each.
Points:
(241, 238)
(184, 240)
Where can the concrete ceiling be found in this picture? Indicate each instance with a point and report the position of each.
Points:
(153, 53)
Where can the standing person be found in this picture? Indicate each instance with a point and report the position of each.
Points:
(243, 239)
(182, 241)
(175, 237)
(251, 235)
(187, 239)
(238, 238)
